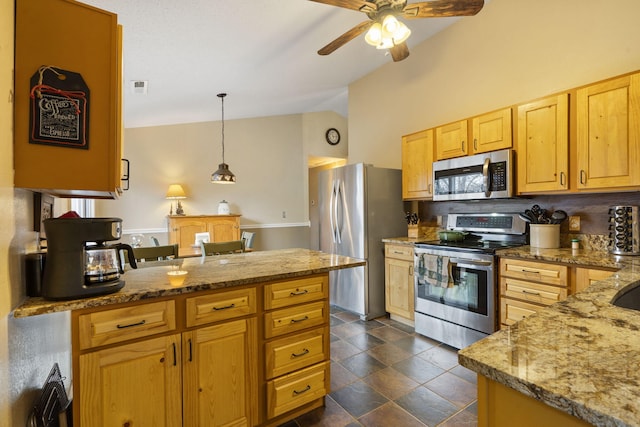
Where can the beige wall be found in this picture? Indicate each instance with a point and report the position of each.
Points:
(512, 51)
(268, 156)
(28, 347)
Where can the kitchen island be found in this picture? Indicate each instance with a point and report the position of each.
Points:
(573, 363)
(238, 339)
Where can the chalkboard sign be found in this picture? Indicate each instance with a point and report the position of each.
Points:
(59, 108)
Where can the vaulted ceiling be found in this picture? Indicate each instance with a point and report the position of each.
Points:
(262, 53)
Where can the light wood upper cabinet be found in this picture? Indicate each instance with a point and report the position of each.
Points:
(417, 165)
(452, 140)
(543, 145)
(487, 132)
(82, 39)
(491, 131)
(608, 134)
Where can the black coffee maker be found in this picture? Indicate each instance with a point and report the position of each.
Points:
(79, 262)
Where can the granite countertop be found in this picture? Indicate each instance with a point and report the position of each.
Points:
(152, 279)
(580, 355)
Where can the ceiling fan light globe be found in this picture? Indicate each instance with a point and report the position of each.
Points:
(374, 35)
(385, 43)
(390, 24)
(402, 34)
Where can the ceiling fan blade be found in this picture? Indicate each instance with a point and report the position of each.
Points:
(442, 8)
(359, 5)
(348, 36)
(399, 52)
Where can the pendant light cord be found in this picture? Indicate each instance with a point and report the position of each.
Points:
(221, 96)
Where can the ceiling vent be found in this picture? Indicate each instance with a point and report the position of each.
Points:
(139, 87)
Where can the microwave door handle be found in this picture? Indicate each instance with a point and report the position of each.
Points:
(485, 177)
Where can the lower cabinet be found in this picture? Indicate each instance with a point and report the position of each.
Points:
(398, 282)
(201, 360)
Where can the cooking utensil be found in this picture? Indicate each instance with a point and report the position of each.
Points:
(451, 235)
(558, 216)
(524, 217)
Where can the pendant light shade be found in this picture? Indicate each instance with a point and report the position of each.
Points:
(223, 175)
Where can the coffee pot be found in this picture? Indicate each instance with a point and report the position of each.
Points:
(79, 261)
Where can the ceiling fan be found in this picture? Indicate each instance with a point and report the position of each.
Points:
(385, 31)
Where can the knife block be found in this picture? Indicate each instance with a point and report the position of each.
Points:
(413, 231)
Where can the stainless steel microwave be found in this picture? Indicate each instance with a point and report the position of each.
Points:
(481, 176)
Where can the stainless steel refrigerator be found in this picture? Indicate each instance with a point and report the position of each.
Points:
(358, 206)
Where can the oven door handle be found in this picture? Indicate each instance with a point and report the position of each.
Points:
(460, 262)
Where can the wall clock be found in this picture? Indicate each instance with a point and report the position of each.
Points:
(332, 136)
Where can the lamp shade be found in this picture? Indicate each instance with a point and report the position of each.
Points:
(223, 175)
(176, 191)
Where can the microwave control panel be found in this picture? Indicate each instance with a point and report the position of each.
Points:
(498, 172)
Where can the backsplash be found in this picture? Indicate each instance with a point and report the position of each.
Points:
(593, 210)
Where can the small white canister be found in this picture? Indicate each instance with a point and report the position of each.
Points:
(223, 208)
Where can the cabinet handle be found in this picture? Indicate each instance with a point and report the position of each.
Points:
(411, 271)
(300, 320)
(131, 325)
(304, 351)
(475, 144)
(462, 145)
(306, 389)
(302, 292)
(175, 358)
(524, 291)
(190, 351)
(126, 424)
(125, 175)
(526, 271)
(583, 176)
(225, 307)
(563, 180)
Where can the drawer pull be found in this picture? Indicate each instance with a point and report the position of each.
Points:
(524, 291)
(300, 320)
(225, 307)
(304, 351)
(302, 292)
(306, 389)
(131, 325)
(527, 271)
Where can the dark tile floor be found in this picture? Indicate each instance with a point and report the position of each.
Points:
(384, 374)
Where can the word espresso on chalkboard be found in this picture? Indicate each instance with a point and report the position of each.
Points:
(59, 108)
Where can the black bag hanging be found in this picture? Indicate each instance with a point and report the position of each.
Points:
(59, 108)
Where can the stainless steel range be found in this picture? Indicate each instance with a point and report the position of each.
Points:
(456, 282)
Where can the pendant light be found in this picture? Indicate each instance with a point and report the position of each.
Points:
(223, 175)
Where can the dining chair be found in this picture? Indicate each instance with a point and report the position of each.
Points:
(156, 253)
(155, 241)
(247, 239)
(218, 248)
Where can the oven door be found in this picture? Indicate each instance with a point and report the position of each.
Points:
(469, 300)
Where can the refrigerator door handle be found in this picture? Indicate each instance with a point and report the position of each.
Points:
(333, 206)
(339, 211)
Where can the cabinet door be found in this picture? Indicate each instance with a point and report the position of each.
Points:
(584, 277)
(452, 140)
(492, 131)
(132, 385)
(223, 229)
(417, 165)
(543, 145)
(608, 133)
(220, 375)
(184, 231)
(399, 293)
(85, 40)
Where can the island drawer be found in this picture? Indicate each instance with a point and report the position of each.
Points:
(294, 319)
(403, 252)
(294, 390)
(217, 306)
(532, 292)
(552, 274)
(284, 294)
(286, 355)
(120, 324)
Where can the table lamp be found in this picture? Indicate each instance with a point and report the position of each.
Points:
(176, 192)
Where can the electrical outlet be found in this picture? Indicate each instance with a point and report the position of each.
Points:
(284, 214)
(574, 223)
